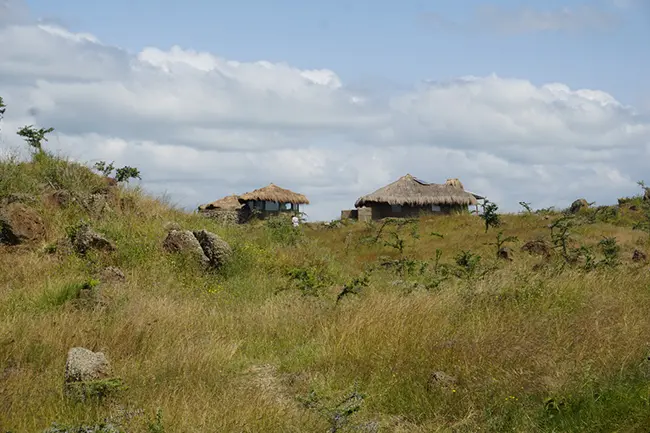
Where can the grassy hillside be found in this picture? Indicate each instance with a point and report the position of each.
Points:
(346, 327)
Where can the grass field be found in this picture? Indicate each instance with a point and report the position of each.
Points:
(327, 328)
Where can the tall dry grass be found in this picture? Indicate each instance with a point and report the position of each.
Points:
(535, 346)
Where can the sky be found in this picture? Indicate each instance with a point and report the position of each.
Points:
(542, 102)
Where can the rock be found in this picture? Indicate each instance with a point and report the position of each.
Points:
(59, 198)
(215, 249)
(440, 379)
(170, 225)
(112, 274)
(85, 365)
(128, 204)
(538, 247)
(97, 204)
(84, 239)
(505, 253)
(578, 205)
(19, 223)
(639, 256)
(183, 241)
(87, 376)
(646, 194)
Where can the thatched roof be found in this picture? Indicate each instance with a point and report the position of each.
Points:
(273, 192)
(230, 202)
(408, 190)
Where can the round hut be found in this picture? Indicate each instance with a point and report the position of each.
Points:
(410, 197)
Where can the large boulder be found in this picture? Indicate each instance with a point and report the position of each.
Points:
(20, 223)
(183, 241)
(216, 249)
(85, 238)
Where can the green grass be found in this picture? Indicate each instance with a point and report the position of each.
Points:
(536, 345)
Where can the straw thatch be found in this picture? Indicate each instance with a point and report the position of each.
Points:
(230, 202)
(456, 183)
(408, 190)
(273, 192)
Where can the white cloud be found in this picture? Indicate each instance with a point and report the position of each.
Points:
(199, 126)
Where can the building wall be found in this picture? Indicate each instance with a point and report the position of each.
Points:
(264, 209)
(384, 210)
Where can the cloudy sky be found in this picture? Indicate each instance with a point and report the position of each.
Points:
(531, 101)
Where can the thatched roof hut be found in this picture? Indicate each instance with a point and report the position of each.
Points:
(408, 190)
(230, 202)
(274, 193)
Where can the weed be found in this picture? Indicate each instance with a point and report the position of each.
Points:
(353, 287)
(338, 414)
(307, 280)
(490, 215)
(157, 426)
(500, 241)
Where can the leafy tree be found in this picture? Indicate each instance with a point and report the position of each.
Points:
(34, 137)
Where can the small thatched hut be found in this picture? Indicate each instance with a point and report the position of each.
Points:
(410, 197)
(272, 200)
(227, 209)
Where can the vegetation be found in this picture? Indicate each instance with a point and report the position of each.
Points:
(314, 329)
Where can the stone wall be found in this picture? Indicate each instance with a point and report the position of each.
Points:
(349, 214)
(223, 216)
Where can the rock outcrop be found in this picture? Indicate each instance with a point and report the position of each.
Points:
(208, 248)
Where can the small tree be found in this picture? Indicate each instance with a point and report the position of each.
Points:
(121, 174)
(644, 224)
(526, 207)
(34, 137)
(103, 168)
(490, 215)
(125, 173)
(3, 107)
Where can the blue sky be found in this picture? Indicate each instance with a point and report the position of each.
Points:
(386, 43)
(533, 101)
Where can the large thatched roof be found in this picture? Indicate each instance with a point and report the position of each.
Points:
(230, 202)
(273, 192)
(408, 190)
